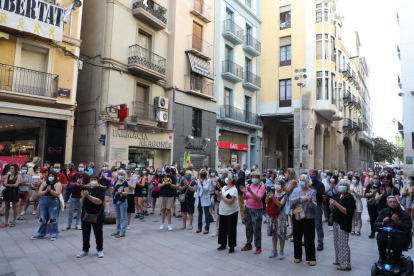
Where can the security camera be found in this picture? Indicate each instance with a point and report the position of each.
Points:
(311, 127)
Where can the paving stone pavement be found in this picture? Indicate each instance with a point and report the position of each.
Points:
(148, 251)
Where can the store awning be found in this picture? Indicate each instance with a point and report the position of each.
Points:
(200, 66)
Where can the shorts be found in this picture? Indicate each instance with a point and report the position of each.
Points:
(188, 206)
(25, 197)
(166, 202)
(141, 192)
(155, 194)
(107, 192)
(131, 204)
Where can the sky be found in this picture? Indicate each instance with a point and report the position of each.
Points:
(376, 22)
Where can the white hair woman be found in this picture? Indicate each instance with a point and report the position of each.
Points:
(120, 193)
(229, 211)
(304, 222)
(343, 207)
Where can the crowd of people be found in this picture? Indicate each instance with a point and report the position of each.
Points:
(280, 198)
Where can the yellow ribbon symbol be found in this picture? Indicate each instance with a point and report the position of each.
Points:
(36, 30)
(3, 18)
(21, 21)
(52, 32)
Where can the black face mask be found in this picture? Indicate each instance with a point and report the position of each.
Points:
(182, 173)
(203, 175)
(395, 209)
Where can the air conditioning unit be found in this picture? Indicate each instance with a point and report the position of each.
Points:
(160, 102)
(162, 115)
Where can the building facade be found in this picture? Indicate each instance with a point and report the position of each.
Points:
(39, 50)
(405, 52)
(190, 79)
(126, 45)
(313, 118)
(237, 81)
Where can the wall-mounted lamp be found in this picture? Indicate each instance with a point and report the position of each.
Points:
(207, 139)
(189, 137)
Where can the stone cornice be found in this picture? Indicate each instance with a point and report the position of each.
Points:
(71, 40)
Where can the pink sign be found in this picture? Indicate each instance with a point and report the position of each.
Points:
(4, 160)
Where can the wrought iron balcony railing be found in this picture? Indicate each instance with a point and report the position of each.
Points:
(200, 85)
(153, 8)
(252, 78)
(231, 112)
(202, 10)
(230, 26)
(202, 47)
(144, 57)
(27, 81)
(143, 110)
(249, 40)
(233, 68)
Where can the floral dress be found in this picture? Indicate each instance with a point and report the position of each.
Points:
(276, 228)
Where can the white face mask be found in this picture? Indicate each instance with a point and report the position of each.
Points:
(278, 187)
(371, 173)
(104, 168)
(94, 183)
(354, 181)
(226, 180)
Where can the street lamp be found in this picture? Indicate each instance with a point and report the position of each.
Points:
(301, 84)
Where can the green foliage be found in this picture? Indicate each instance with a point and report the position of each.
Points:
(400, 152)
(384, 150)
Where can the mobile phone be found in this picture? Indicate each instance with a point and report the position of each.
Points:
(270, 189)
(228, 196)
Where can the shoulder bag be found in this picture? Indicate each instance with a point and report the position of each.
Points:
(92, 218)
(299, 212)
(272, 210)
(181, 196)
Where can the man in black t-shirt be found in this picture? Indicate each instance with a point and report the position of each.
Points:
(167, 187)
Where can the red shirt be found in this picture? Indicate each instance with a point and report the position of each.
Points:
(76, 193)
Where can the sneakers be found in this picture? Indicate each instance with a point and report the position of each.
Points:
(173, 214)
(146, 213)
(82, 254)
(100, 254)
(331, 229)
(53, 239)
(4, 225)
(258, 251)
(141, 217)
(22, 213)
(281, 256)
(162, 227)
(231, 250)
(273, 254)
(222, 247)
(128, 227)
(246, 248)
(170, 227)
(36, 238)
(137, 215)
(66, 228)
(372, 235)
(215, 234)
(34, 212)
(78, 227)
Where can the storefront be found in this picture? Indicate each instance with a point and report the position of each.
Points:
(232, 148)
(29, 139)
(140, 147)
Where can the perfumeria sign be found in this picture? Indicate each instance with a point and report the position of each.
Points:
(145, 140)
(33, 16)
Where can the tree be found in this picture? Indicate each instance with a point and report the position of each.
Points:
(384, 150)
(400, 152)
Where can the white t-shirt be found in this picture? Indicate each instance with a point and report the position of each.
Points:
(226, 209)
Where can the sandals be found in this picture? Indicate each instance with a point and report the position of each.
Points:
(357, 233)
(352, 233)
(297, 261)
(343, 268)
(183, 227)
(312, 263)
(120, 236)
(336, 263)
(20, 218)
(198, 231)
(190, 228)
(205, 232)
(12, 224)
(115, 234)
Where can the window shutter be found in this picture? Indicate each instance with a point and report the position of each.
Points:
(285, 9)
(285, 41)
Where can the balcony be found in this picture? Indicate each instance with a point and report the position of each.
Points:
(327, 109)
(150, 13)
(358, 104)
(348, 73)
(145, 62)
(251, 46)
(237, 116)
(199, 47)
(27, 81)
(232, 32)
(285, 25)
(199, 86)
(201, 10)
(232, 71)
(251, 81)
(365, 139)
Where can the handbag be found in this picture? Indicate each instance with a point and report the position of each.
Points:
(403, 201)
(62, 203)
(299, 213)
(330, 220)
(181, 197)
(272, 210)
(92, 218)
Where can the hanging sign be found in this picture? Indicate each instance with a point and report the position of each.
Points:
(33, 16)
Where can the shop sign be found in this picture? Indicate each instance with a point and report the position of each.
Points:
(34, 16)
(119, 153)
(233, 146)
(233, 159)
(144, 139)
(63, 93)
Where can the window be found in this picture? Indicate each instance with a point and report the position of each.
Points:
(140, 104)
(318, 16)
(326, 45)
(248, 3)
(318, 46)
(248, 65)
(398, 19)
(144, 40)
(333, 51)
(333, 89)
(228, 53)
(326, 15)
(33, 58)
(285, 17)
(339, 61)
(197, 36)
(249, 29)
(285, 93)
(398, 52)
(319, 85)
(247, 108)
(326, 92)
(319, 6)
(196, 123)
(229, 14)
(227, 97)
(340, 98)
(285, 51)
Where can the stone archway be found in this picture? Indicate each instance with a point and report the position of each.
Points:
(347, 152)
(327, 150)
(318, 148)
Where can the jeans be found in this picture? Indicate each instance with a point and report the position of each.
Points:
(49, 214)
(206, 215)
(149, 196)
(97, 231)
(121, 215)
(318, 223)
(72, 206)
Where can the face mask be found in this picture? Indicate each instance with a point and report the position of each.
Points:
(408, 182)
(267, 175)
(354, 181)
(332, 180)
(278, 187)
(220, 176)
(203, 175)
(343, 189)
(190, 168)
(255, 181)
(212, 174)
(57, 170)
(253, 168)
(302, 184)
(120, 177)
(312, 177)
(51, 178)
(24, 171)
(188, 178)
(182, 173)
(105, 168)
(395, 209)
(328, 177)
(226, 180)
(37, 171)
(81, 169)
(324, 174)
(278, 172)
(151, 171)
(158, 173)
(144, 172)
(94, 183)
(376, 181)
(340, 174)
(127, 171)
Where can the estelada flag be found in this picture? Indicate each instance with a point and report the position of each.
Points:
(187, 160)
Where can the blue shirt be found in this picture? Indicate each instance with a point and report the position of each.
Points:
(309, 212)
(189, 194)
(269, 183)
